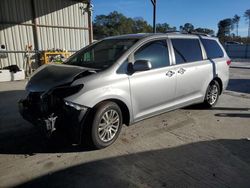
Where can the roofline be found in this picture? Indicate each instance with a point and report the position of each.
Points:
(153, 35)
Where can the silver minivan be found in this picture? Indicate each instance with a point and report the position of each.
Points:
(122, 80)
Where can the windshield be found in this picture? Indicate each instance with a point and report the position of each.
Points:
(102, 54)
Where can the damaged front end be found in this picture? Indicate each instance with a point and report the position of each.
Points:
(51, 112)
(45, 105)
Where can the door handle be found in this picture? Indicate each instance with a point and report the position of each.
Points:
(181, 71)
(170, 73)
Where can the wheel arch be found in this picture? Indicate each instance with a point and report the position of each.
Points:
(219, 82)
(124, 109)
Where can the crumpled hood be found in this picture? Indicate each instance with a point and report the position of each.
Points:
(49, 76)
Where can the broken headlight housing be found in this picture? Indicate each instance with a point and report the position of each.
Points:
(65, 91)
(76, 106)
(55, 97)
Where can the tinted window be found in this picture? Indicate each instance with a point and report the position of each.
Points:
(212, 48)
(156, 52)
(187, 50)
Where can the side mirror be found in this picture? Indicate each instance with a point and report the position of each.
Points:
(141, 65)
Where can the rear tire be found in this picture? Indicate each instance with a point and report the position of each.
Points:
(212, 94)
(106, 124)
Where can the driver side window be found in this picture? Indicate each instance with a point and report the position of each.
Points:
(156, 52)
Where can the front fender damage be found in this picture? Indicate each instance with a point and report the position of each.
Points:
(45, 106)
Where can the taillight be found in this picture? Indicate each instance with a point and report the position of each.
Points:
(229, 62)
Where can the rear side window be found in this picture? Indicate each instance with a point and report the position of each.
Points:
(156, 52)
(212, 48)
(187, 50)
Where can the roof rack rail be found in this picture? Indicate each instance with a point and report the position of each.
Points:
(172, 31)
(199, 33)
(191, 33)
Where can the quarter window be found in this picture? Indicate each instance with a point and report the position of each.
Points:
(156, 52)
(187, 50)
(212, 48)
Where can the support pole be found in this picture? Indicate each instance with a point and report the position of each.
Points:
(35, 35)
(34, 22)
(154, 15)
(90, 25)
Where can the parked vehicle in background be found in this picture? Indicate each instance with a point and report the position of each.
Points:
(124, 79)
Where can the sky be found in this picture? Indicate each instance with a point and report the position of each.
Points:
(201, 13)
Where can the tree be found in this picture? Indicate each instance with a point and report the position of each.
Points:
(164, 27)
(141, 26)
(247, 16)
(236, 20)
(205, 30)
(107, 25)
(111, 24)
(188, 27)
(117, 24)
(224, 28)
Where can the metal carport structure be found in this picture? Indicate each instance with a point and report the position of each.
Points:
(47, 24)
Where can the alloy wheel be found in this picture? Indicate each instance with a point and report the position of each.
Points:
(109, 125)
(212, 94)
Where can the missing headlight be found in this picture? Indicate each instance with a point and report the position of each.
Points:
(65, 91)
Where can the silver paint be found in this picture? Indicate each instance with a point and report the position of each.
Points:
(155, 91)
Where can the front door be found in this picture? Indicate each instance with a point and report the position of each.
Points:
(152, 91)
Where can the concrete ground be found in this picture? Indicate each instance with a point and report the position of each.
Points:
(189, 147)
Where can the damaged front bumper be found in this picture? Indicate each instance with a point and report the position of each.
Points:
(65, 116)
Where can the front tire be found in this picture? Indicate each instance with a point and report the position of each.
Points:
(107, 124)
(212, 94)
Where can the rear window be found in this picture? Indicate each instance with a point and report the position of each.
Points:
(187, 50)
(212, 48)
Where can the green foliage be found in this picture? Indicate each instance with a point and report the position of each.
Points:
(112, 24)
(236, 20)
(225, 27)
(204, 30)
(163, 28)
(117, 24)
(247, 14)
(188, 27)
(230, 24)
(141, 26)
